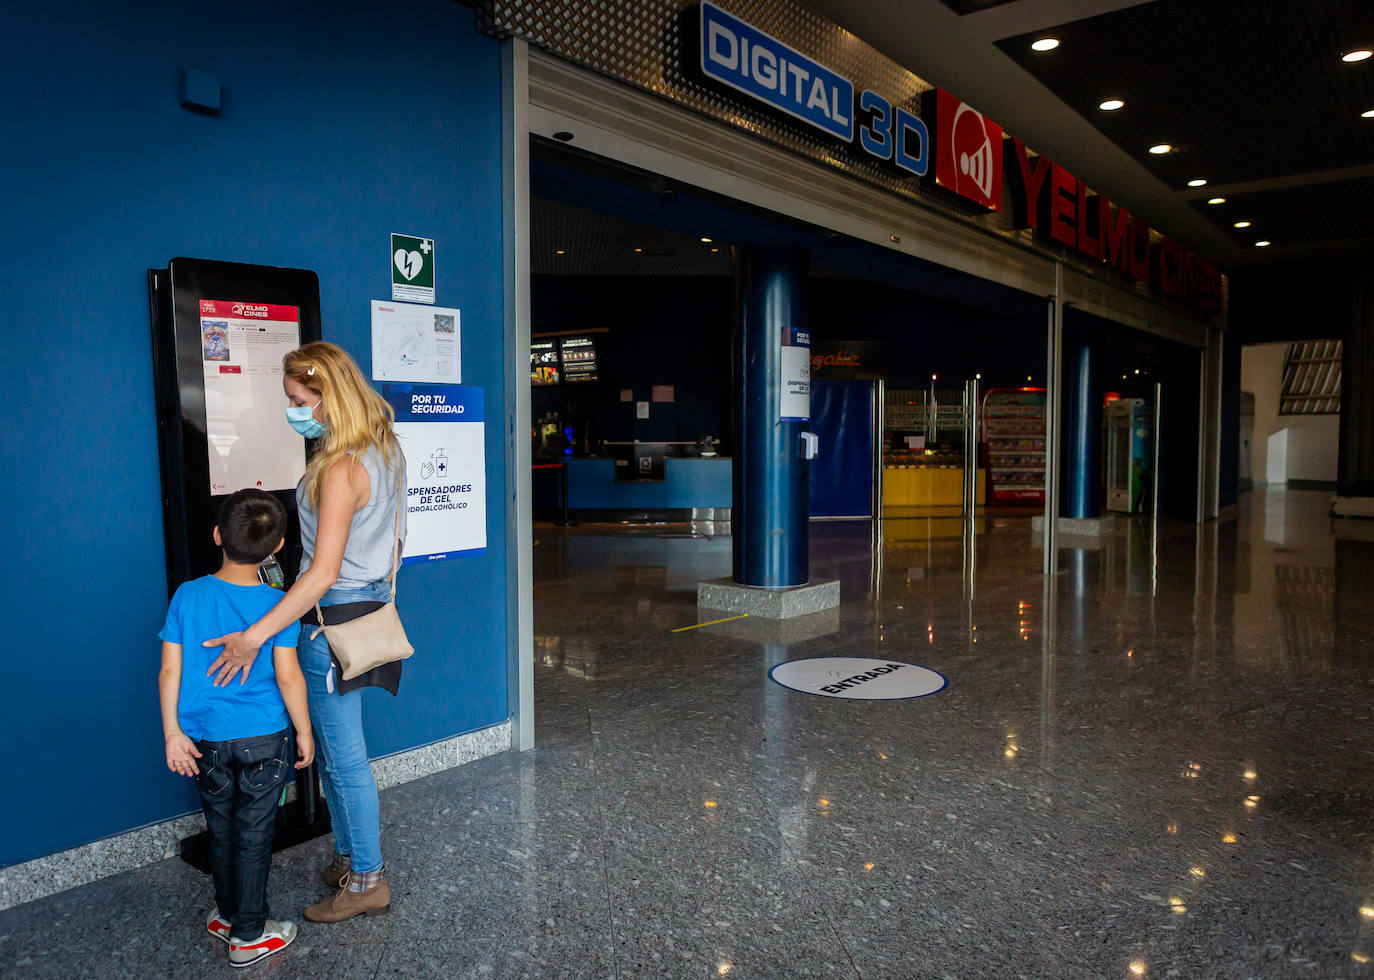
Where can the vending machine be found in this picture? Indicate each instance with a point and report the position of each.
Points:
(1128, 429)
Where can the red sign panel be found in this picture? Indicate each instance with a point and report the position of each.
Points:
(249, 311)
(968, 152)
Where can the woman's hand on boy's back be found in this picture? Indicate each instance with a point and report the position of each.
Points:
(238, 655)
(182, 755)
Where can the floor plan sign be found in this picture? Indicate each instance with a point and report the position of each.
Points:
(416, 343)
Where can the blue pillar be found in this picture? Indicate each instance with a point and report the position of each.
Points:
(771, 491)
(1082, 425)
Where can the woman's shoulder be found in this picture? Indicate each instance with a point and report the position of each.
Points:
(347, 475)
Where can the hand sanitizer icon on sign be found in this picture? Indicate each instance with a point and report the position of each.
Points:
(435, 466)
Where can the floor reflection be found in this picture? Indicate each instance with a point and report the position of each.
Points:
(1157, 762)
(1175, 724)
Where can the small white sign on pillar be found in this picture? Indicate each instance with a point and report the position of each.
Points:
(794, 388)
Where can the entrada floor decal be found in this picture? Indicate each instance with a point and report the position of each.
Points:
(858, 678)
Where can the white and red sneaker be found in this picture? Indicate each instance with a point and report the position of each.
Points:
(276, 936)
(217, 925)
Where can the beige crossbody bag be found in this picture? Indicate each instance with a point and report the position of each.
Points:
(377, 638)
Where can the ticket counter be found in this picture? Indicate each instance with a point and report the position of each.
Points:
(688, 483)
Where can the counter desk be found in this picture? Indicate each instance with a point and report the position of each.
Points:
(688, 483)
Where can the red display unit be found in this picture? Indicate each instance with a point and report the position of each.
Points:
(1014, 437)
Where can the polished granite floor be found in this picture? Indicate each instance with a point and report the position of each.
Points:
(1159, 762)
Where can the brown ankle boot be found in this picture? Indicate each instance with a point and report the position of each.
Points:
(346, 904)
(335, 870)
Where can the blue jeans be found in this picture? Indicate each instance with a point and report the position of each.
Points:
(345, 772)
(240, 783)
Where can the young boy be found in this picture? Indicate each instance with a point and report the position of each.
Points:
(235, 740)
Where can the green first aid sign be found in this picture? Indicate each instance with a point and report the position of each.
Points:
(412, 269)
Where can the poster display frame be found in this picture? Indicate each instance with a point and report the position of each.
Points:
(190, 507)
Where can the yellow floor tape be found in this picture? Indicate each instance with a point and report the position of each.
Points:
(711, 623)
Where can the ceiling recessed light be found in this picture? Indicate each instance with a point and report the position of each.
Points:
(1359, 55)
(1050, 43)
(1261, 244)
(1216, 200)
(560, 251)
(707, 241)
(1368, 114)
(1111, 105)
(1160, 148)
(1242, 224)
(1197, 182)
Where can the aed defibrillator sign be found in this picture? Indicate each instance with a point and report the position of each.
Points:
(412, 269)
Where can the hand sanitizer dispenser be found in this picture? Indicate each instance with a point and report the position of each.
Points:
(809, 445)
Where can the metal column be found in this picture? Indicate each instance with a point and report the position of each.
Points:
(1154, 491)
(1082, 495)
(971, 447)
(1053, 386)
(771, 479)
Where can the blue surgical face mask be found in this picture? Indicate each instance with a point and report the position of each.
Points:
(302, 419)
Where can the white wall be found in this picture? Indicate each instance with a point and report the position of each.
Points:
(1261, 373)
(1304, 447)
(1313, 446)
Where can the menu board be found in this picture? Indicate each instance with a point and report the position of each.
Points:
(544, 363)
(249, 442)
(579, 359)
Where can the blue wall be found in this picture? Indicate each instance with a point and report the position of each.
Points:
(342, 122)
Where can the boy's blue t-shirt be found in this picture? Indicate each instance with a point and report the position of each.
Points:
(208, 608)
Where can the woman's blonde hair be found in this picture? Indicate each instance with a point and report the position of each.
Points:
(357, 416)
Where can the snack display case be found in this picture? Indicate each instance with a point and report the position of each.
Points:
(1014, 427)
(923, 451)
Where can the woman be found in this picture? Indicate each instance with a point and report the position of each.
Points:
(348, 502)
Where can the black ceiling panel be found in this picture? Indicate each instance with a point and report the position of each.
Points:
(962, 7)
(1243, 90)
(574, 241)
(1299, 215)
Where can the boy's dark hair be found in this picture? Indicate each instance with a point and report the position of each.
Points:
(251, 522)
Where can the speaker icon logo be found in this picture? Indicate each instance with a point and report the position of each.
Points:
(969, 152)
(977, 165)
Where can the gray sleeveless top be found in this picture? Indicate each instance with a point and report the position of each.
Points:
(367, 556)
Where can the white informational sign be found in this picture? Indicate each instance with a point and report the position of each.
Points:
(641, 410)
(250, 442)
(416, 343)
(794, 394)
(858, 678)
(443, 434)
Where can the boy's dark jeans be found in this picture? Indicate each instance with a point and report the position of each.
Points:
(240, 783)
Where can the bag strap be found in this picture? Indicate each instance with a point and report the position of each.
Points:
(395, 553)
(396, 535)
